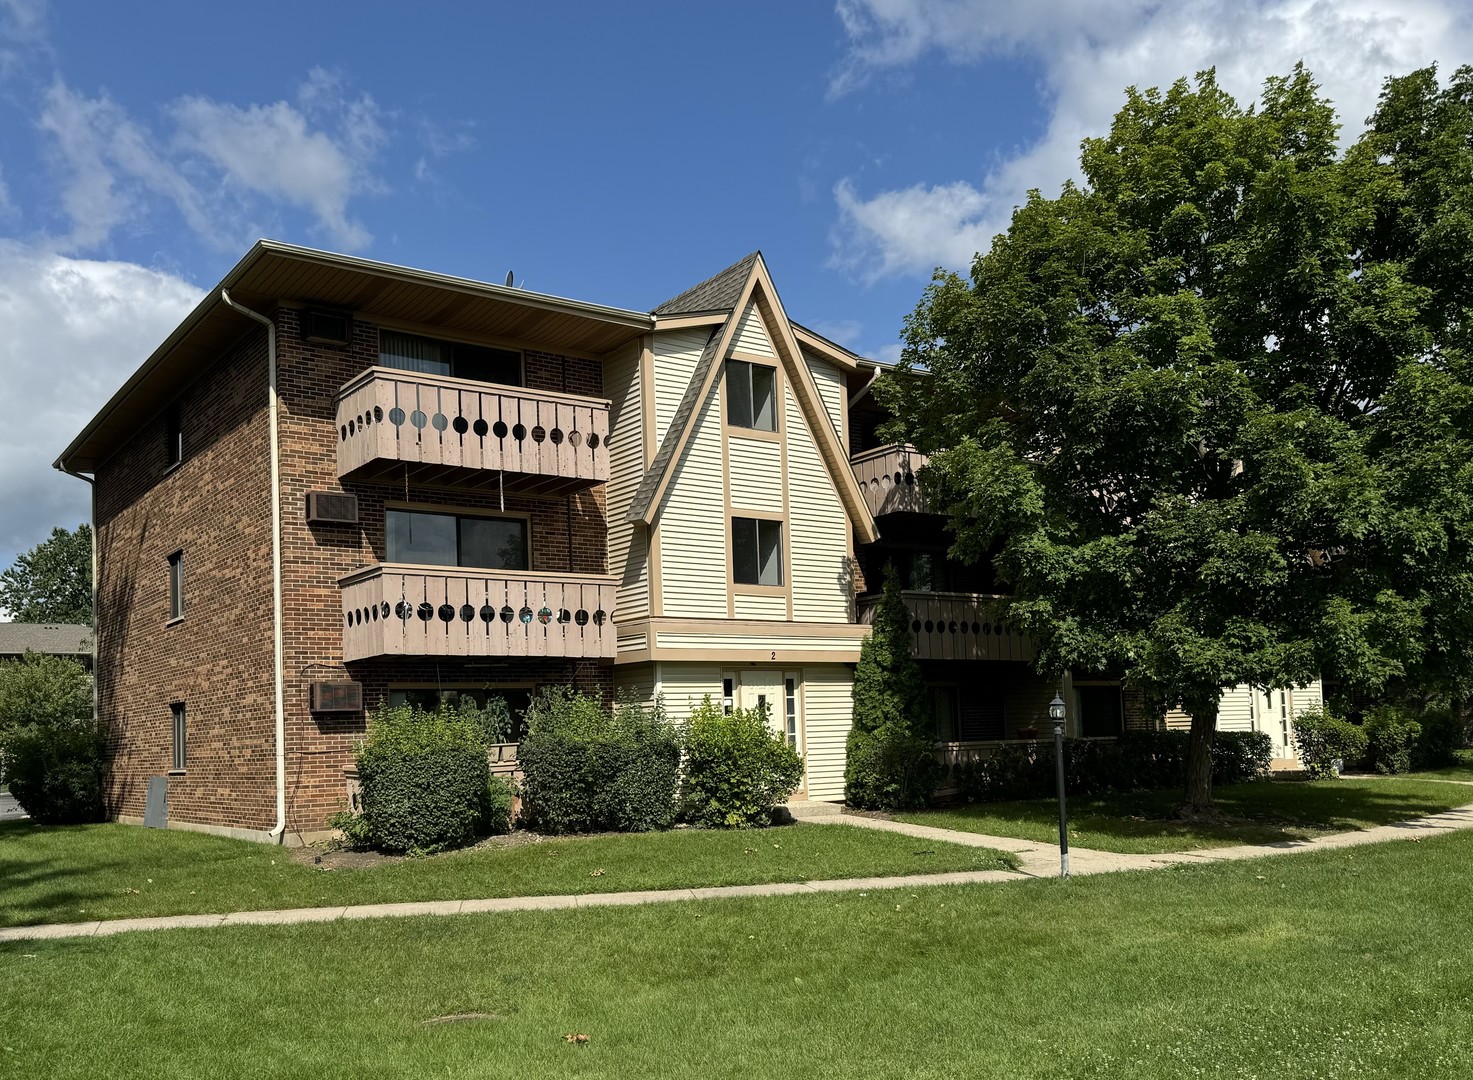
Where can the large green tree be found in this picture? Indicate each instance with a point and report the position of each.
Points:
(1208, 411)
(53, 581)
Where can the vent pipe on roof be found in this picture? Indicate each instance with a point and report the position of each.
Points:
(278, 832)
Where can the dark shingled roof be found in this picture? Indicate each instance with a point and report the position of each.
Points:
(719, 293)
(689, 402)
(59, 639)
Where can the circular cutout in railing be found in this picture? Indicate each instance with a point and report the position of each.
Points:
(425, 611)
(544, 614)
(915, 626)
(378, 414)
(467, 613)
(930, 626)
(885, 482)
(461, 425)
(344, 431)
(976, 628)
(499, 429)
(349, 618)
(910, 479)
(526, 616)
(581, 617)
(418, 418)
(354, 425)
(987, 629)
(556, 436)
(593, 440)
(564, 616)
(440, 421)
(447, 612)
(480, 428)
(538, 433)
(401, 610)
(519, 432)
(396, 416)
(488, 614)
(599, 616)
(576, 438)
(951, 627)
(507, 614)
(965, 626)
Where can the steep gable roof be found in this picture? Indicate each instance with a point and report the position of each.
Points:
(718, 293)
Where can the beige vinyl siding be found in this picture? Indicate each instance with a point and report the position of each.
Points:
(828, 709)
(755, 473)
(760, 607)
(830, 384)
(683, 685)
(693, 524)
(676, 354)
(628, 542)
(818, 529)
(1233, 712)
(751, 335)
(635, 682)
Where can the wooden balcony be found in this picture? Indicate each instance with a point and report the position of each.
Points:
(957, 626)
(394, 610)
(466, 433)
(887, 477)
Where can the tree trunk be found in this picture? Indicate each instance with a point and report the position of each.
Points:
(1199, 754)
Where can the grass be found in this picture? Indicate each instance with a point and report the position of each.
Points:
(1344, 962)
(74, 873)
(1463, 770)
(1141, 822)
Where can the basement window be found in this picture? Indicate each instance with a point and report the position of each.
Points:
(431, 356)
(751, 395)
(756, 551)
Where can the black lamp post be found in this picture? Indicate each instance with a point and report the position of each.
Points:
(1056, 714)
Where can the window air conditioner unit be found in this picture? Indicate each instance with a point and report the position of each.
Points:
(336, 697)
(327, 327)
(331, 508)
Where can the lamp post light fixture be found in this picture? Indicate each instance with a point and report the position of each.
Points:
(1056, 714)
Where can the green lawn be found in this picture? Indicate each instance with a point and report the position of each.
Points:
(1140, 822)
(1463, 770)
(1346, 962)
(72, 873)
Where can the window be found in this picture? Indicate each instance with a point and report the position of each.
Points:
(428, 539)
(180, 745)
(173, 438)
(944, 712)
(751, 397)
(429, 699)
(409, 352)
(727, 699)
(1099, 711)
(176, 585)
(756, 551)
(790, 711)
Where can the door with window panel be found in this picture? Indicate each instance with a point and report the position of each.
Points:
(1272, 711)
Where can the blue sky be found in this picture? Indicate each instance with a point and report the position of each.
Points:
(615, 153)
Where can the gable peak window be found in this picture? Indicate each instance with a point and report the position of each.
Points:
(756, 551)
(751, 395)
(432, 356)
(176, 585)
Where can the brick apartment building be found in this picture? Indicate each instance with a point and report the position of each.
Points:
(340, 482)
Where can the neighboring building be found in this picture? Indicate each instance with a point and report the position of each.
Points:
(72, 640)
(471, 489)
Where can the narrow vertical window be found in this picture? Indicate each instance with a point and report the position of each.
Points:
(176, 585)
(180, 740)
(173, 438)
(726, 695)
(790, 711)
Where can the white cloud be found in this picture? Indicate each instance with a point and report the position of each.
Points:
(841, 331)
(1089, 51)
(74, 330)
(220, 163)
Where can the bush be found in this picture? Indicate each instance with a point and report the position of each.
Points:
(55, 770)
(588, 769)
(1391, 740)
(491, 721)
(1239, 757)
(425, 780)
(737, 769)
(1321, 738)
(43, 690)
(889, 770)
(1442, 737)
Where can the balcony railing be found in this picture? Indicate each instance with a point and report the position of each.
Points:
(888, 478)
(440, 429)
(395, 610)
(957, 626)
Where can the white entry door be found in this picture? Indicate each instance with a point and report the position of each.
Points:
(763, 689)
(1272, 713)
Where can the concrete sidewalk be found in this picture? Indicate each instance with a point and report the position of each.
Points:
(1036, 861)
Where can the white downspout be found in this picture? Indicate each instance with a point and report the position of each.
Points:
(279, 830)
(91, 483)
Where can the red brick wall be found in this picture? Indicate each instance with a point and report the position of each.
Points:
(218, 660)
(567, 535)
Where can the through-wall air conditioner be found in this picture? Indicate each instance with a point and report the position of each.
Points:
(327, 327)
(331, 508)
(336, 697)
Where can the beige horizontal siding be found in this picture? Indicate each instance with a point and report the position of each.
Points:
(751, 335)
(755, 470)
(828, 710)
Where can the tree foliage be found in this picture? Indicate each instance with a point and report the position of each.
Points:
(43, 690)
(52, 583)
(1210, 411)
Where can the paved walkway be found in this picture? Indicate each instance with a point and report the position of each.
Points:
(1036, 860)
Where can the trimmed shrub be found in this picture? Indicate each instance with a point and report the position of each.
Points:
(737, 769)
(425, 780)
(1442, 737)
(1391, 740)
(1240, 757)
(588, 769)
(1320, 738)
(43, 690)
(889, 770)
(55, 770)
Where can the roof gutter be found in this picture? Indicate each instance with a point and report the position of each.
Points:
(278, 832)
